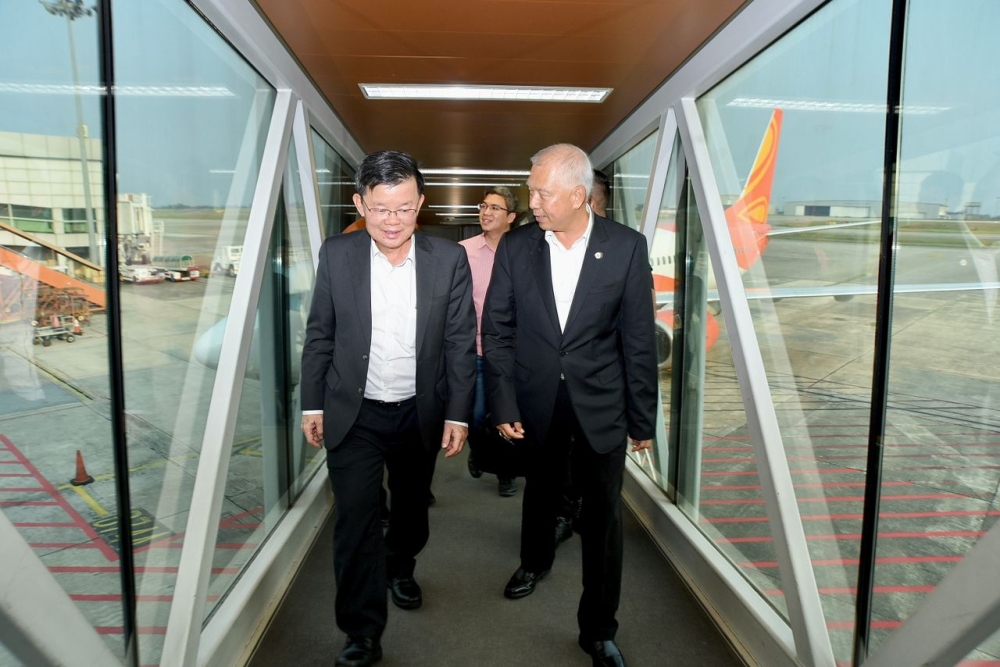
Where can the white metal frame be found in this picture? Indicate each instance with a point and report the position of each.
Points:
(187, 611)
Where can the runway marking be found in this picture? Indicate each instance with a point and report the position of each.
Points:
(852, 562)
(58, 499)
(901, 535)
(810, 485)
(140, 569)
(855, 517)
(839, 499)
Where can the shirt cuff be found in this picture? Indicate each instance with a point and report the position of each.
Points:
(311, 412)
(452, 421)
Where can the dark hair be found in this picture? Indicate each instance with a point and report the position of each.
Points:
(508, 197)
(386, 168)
(602, 182)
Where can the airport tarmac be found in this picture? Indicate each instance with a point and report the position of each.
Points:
(941, 467)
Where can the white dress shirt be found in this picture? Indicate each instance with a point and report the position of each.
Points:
(392, 363)
(566, 264)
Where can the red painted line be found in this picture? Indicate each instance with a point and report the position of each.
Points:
(26, 503)
(21, 490)
(139, 598)
(44, 524)
(844, 590)
(845, 457)
(147, 569)
(64, 545)
(838, 499)
(953, 467)
(117, 630)
(15, 474)
(9, 463)
(109, 553)
(851, 562)
(811, 485)
(929, 534)
(805, 471)
(858, 517)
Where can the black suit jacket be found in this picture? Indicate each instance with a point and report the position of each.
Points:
(607, 353)
(339, 331)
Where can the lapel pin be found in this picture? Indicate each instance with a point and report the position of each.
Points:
(598, 255)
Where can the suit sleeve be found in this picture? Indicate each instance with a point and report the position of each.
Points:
(321, 328)
(499, 335)
(638, 335)
(460, 344)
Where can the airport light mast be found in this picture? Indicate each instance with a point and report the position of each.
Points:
(72, 10)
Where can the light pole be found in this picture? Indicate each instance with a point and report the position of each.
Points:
(72, 10)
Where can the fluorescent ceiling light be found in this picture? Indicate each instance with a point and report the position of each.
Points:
(475, 172)
(392, 91)
(458, 215)
(477, 185)
(453, 206)
(843, 107)
(139, 91)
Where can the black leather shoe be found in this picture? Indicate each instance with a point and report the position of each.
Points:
(564, 529)
(522, 583)
(405, 592)
(474, 469)
(604, 654)
(507, 486)
(360, 652)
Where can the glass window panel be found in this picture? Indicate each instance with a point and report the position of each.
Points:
(53, 347)
(629, 182)
(795, 137)
(944, 400)
(192, 116)
(717, 480)
(658, 462)
(335, 179)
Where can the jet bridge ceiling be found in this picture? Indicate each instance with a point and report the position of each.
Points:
(629, 45)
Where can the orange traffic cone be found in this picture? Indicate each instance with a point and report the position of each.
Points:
(81, 472)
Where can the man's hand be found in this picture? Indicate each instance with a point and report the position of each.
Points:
(511, 431)
(454, 438)
(312, 426)
(639, 445)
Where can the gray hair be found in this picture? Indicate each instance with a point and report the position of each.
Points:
(574, 166)
(508, 197)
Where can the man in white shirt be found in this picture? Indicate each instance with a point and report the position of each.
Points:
(570, 352)
(388, 374)
(497, 212)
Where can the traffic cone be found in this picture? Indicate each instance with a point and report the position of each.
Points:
(81, 472)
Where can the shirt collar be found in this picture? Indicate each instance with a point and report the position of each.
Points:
(550, 236)
(410, 255)
(479, 241)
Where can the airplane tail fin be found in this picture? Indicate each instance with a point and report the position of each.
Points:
(747, 217)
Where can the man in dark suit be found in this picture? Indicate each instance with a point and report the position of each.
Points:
(388, 375)
(569, 347)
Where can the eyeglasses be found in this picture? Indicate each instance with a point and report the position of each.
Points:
(402, 214)
(493, 207)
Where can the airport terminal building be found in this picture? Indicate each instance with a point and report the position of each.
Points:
(818, 182)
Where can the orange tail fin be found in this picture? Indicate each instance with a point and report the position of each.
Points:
(747, 217)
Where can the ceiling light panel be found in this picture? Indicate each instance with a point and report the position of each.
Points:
(389, 91)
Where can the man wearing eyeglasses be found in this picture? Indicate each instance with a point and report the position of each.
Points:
(388, 376)
(497, 212)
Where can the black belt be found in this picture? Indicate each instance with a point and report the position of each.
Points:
(391, 404)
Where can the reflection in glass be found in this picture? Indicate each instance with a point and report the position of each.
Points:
(335, 179)
(54, 377)
(944, 402)
(629, 182)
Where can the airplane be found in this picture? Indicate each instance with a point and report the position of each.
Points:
(746, 220)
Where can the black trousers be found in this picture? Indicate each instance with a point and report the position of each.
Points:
(385, 436)
(598, 477)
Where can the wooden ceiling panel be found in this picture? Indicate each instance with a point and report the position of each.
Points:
(628, 45)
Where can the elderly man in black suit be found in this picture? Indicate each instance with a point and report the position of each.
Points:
(569, 347)
(388, 375)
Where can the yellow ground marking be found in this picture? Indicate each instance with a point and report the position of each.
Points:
(89, 499)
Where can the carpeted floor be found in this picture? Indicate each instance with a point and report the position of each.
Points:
(466, 622)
